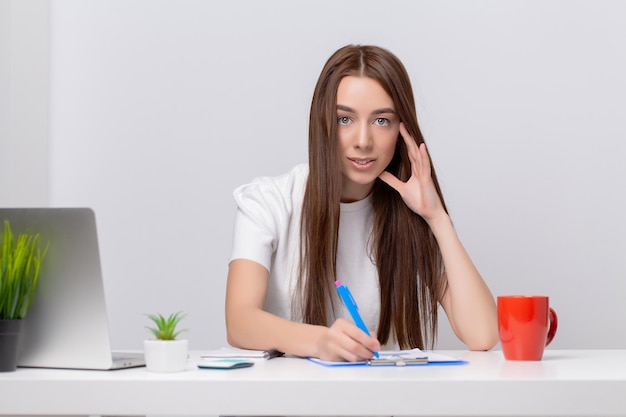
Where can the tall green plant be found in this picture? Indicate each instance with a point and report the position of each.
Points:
(20, 263)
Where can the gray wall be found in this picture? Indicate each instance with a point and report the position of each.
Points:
(24, 99)
(158, 109)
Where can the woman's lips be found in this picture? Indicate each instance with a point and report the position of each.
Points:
(362, 163)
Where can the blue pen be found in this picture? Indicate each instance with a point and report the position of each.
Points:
(350, 304)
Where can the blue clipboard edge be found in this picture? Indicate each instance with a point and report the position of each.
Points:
(329, 364)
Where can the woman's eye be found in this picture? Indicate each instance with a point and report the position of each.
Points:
(381, 121)
(343, 120)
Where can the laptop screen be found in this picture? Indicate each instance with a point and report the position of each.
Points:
(67, 324)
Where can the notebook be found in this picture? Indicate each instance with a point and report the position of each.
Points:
(67, 324)
(238, 353)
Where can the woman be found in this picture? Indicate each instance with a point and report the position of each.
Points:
(366, 210)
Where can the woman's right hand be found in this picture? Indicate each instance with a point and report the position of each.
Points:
(344, 341)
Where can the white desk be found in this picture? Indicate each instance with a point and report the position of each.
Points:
(565, 383)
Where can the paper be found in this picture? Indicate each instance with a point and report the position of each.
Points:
(231, 352)
(408, 357)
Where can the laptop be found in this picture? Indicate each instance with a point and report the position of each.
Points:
(67, 324)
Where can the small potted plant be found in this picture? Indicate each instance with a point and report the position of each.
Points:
(165, 353)
(20, 263)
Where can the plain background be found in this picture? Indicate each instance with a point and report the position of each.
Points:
(152, 112)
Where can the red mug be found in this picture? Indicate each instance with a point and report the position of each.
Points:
(526, 325)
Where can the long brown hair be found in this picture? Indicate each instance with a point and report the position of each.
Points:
(406, 254)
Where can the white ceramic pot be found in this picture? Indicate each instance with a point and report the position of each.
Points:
(165, 355)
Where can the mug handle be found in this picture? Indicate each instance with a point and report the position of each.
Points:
(554, 322)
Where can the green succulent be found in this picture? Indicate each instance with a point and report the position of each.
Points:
(166, 327)
(20, 263)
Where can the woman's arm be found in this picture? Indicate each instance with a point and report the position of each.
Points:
(249, 326)
(468, 303)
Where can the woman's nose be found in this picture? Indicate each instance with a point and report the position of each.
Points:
(364, 138)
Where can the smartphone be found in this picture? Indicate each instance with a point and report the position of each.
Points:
(224, 364)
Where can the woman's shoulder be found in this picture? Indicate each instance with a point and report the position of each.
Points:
(287, 186)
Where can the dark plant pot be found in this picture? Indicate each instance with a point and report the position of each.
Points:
(9, 340)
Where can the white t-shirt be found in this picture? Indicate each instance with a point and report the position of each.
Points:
(267, 231)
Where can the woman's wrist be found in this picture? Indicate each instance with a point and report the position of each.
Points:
(440, 223)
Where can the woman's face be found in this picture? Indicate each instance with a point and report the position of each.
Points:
(367, 132)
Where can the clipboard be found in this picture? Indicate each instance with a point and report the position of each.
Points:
(398, 358)
(395, 360)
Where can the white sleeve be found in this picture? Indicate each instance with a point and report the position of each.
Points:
(256, 227)
(267, 221)
(254, 236)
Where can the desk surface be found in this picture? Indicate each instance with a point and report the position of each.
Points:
(564, 383)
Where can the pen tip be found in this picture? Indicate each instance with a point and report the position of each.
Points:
(337, 283)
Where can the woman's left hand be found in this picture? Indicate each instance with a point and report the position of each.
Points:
(419, 192)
